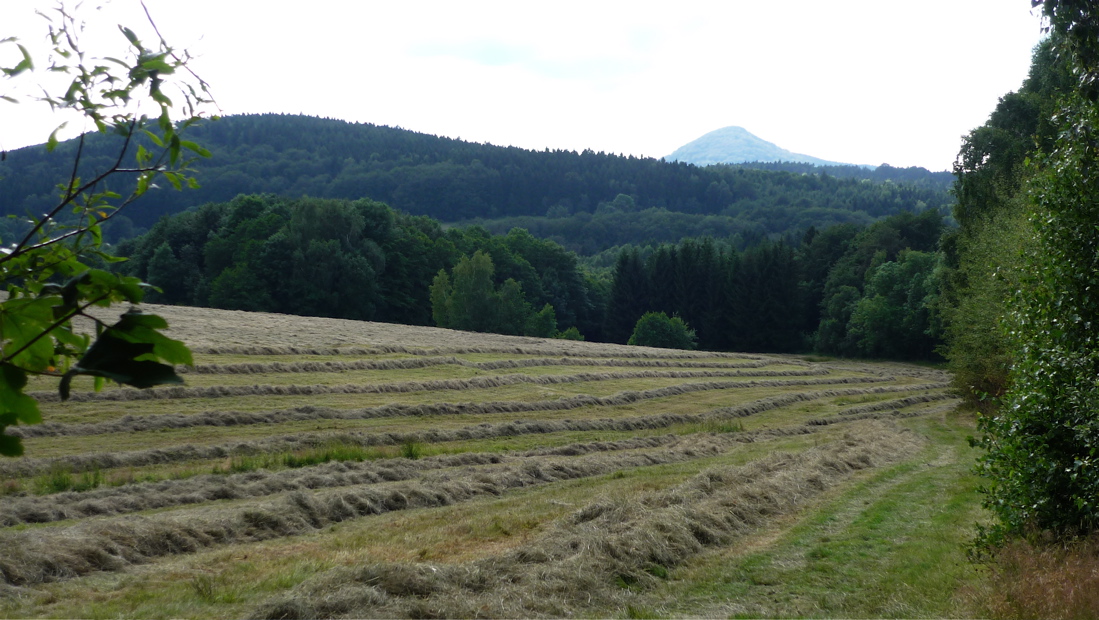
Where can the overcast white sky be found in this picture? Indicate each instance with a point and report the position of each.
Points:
(861, 81)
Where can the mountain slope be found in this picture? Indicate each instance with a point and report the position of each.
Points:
(736, 145)
(452, 181)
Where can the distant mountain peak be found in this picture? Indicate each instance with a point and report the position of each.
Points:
(737, 145)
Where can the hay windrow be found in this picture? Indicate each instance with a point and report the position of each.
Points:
(108, 460)
(590, 350)
(581, 563)
(142, 496)
(403, 364)
(50, 554)
(145, 496)
(404, 387)
(899, 403)
(894, 414)
(132, 423)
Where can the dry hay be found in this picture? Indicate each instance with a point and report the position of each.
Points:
(208, 330)
(132, 423)
(596, 350)
(63, 552)
(211, 487)
(591, 560)
(899, 403)
(145, 496)
(610, 541)
(404, 387)
(407, 363)
(187, 452)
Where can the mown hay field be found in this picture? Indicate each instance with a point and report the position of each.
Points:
(329, 468)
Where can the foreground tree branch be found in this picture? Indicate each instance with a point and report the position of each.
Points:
(49, 274)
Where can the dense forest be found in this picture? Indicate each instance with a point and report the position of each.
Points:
(576, 198)
(850, 290)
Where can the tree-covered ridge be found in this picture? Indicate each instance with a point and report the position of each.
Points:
(452, 180)
(912, 175)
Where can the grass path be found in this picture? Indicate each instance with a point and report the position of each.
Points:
(892, 545)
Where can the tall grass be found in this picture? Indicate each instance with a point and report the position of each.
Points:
(60, 479)
(1036, 580)
(334, 452)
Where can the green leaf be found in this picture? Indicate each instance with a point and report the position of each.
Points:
(116, 356)
(139, 326)
(187, 144)
(14, 404)
(131, 36)
(51, 143)
(157, 64)
(10, 446)
(155, 138)
(175, 179)
(22, 321)
(173, 153)
(142, 183)
(26, 64)
(97, 235)
(159, 96)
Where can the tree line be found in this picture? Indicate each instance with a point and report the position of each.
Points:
(848, 290)
(339, 258)
(1021, 288)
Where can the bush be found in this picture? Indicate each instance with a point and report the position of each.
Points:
(656, 329)
(570, 334)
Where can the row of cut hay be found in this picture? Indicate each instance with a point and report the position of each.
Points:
(589, 563)
(894, 369)
(899, 403)
(142, 496)
(894, 414)
(405, 387)
(150, 495)
(612, 361)
(618, 351)
(414, 363)
(60, 552)
(131, 423)
(301, 441)
(318, 366)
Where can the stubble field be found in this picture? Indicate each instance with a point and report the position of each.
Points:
(320, 468)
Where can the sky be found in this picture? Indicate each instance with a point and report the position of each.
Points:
(861, 81)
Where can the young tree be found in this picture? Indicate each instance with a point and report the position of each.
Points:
(656, 329)
(48, 268)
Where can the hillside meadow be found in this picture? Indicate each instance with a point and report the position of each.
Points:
(333, 468)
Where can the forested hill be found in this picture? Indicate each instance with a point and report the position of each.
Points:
(452, 180)
(913, 175)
